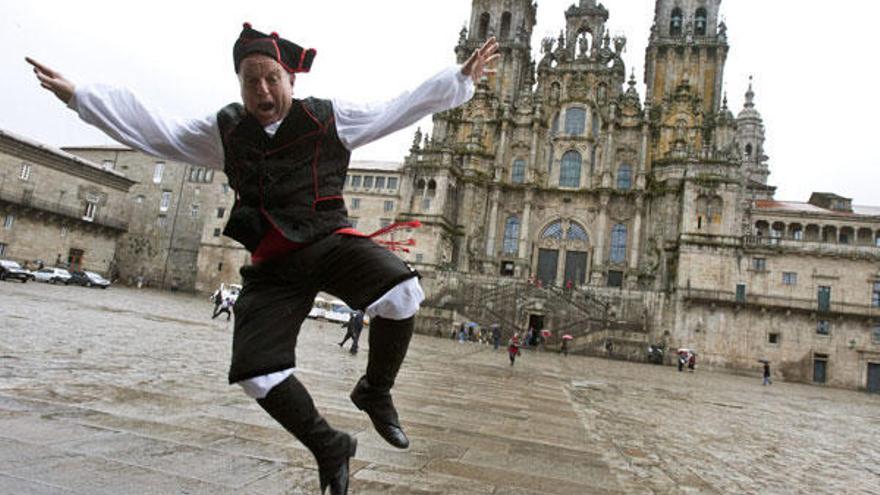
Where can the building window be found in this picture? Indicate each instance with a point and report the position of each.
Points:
(875, 333)
(356, 181)
(162, 220)
(388, 206)
(624, 177)
(368, 182)
(615, 278)
(157, 172)
(392, 183)
(700, 22)
(553, 231)
(675, 22)
(741, 293)
(824, 296)
(789, 278)
(518, 171)
(420, 258)
(820, 368)
(221, 212)
(217, 232)
(570, 171)
(165, 202)
(380, 182)
(823, 327)
(139, 199)
(773, 338)
(759, 264)
(575, 121)
(798, 235)
(576, 233)
(9, 221)
(618, 243)
(3, 248)
(353, 222)
(220, 266)
(507, 268)
(384, 222)
(875, 297)
(91, 209)
(355, 203)
(25, 172)
(194, 211)
(108, 165)
(511, 236)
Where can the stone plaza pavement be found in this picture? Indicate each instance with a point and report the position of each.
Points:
(124, 392)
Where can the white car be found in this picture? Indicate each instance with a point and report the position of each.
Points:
(330, 310)
(52, 275)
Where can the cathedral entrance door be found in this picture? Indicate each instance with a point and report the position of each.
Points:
(575, 268)
(548, 259)
(873, 377)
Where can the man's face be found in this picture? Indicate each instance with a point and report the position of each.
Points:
(266, 88)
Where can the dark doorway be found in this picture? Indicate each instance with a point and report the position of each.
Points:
(536, 323)
(820, 369)
(575, 267)
(874, 378)
(548, 259)
(75, 259)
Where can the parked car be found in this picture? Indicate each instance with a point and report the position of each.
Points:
(52, 275)
(332, 310)
(88, 279)
(10, 270)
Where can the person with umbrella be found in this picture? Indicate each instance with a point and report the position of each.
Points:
(564, 348)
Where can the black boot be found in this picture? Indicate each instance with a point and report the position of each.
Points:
(290, 405)
(389, 340)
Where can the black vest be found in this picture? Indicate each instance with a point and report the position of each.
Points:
(292, 180)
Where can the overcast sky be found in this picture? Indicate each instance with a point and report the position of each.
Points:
(816, 75)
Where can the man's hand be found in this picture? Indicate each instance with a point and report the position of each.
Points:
(477, 64)
(53, 81)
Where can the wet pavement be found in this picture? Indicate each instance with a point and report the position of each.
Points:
(124, 392)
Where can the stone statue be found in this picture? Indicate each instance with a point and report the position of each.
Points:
(583, 45)
(417, 138)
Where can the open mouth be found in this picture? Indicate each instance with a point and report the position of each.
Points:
(266, 107)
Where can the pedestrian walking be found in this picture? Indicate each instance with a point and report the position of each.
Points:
(225, 306)
(513, 349)
(217, 299)
(496, 336)
(767, 380)
(564, 348)
(286, 160)
(353, 328)
(692, 361)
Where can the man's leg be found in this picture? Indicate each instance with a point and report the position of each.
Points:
(392, 319)
(290, 404)
(345, 339)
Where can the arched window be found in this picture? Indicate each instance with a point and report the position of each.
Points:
(716, 208)
(576, 233)
(518, 171)
(485, 19)
(420, 185)
(554, 128)
(570, 172)
(553, 231)
(575, 121)
(675, 22)
(700, 22)
(432, 188)
(511, 235)
(624, 177)
(594, 120)
(505, 25)
(555, 91)
(592, 161)
(749, 150)
(618, 243)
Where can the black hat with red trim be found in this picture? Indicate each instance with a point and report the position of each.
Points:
(291, 56)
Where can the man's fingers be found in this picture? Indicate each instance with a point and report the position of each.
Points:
(40, 67)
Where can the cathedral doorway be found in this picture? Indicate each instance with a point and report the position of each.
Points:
(548, 259)
(536, 323)
(575, 268)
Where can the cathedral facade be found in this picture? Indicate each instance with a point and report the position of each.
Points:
(559, 175)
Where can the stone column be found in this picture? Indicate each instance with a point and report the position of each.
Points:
(524, 226)
(599, 257)
(607, 164)
(633, 278)
(533, 155)
(493, 222)
(643, 159)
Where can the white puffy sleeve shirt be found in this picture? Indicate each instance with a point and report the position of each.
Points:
(125, 118)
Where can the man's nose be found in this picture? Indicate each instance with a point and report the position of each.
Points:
(263, 86)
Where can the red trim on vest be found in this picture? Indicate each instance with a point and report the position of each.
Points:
(324, 198)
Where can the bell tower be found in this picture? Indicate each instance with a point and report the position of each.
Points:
(688, 47)
(511, 22)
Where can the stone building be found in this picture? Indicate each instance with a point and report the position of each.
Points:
(559, 197)
(169, 206)
(59, 209)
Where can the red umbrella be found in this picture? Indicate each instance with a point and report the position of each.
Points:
(546, 333)
(567, 337)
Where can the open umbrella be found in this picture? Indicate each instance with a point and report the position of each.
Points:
(546, 333)
(567, 337)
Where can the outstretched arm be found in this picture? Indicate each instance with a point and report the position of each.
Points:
(358, 125)
(123, 117)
